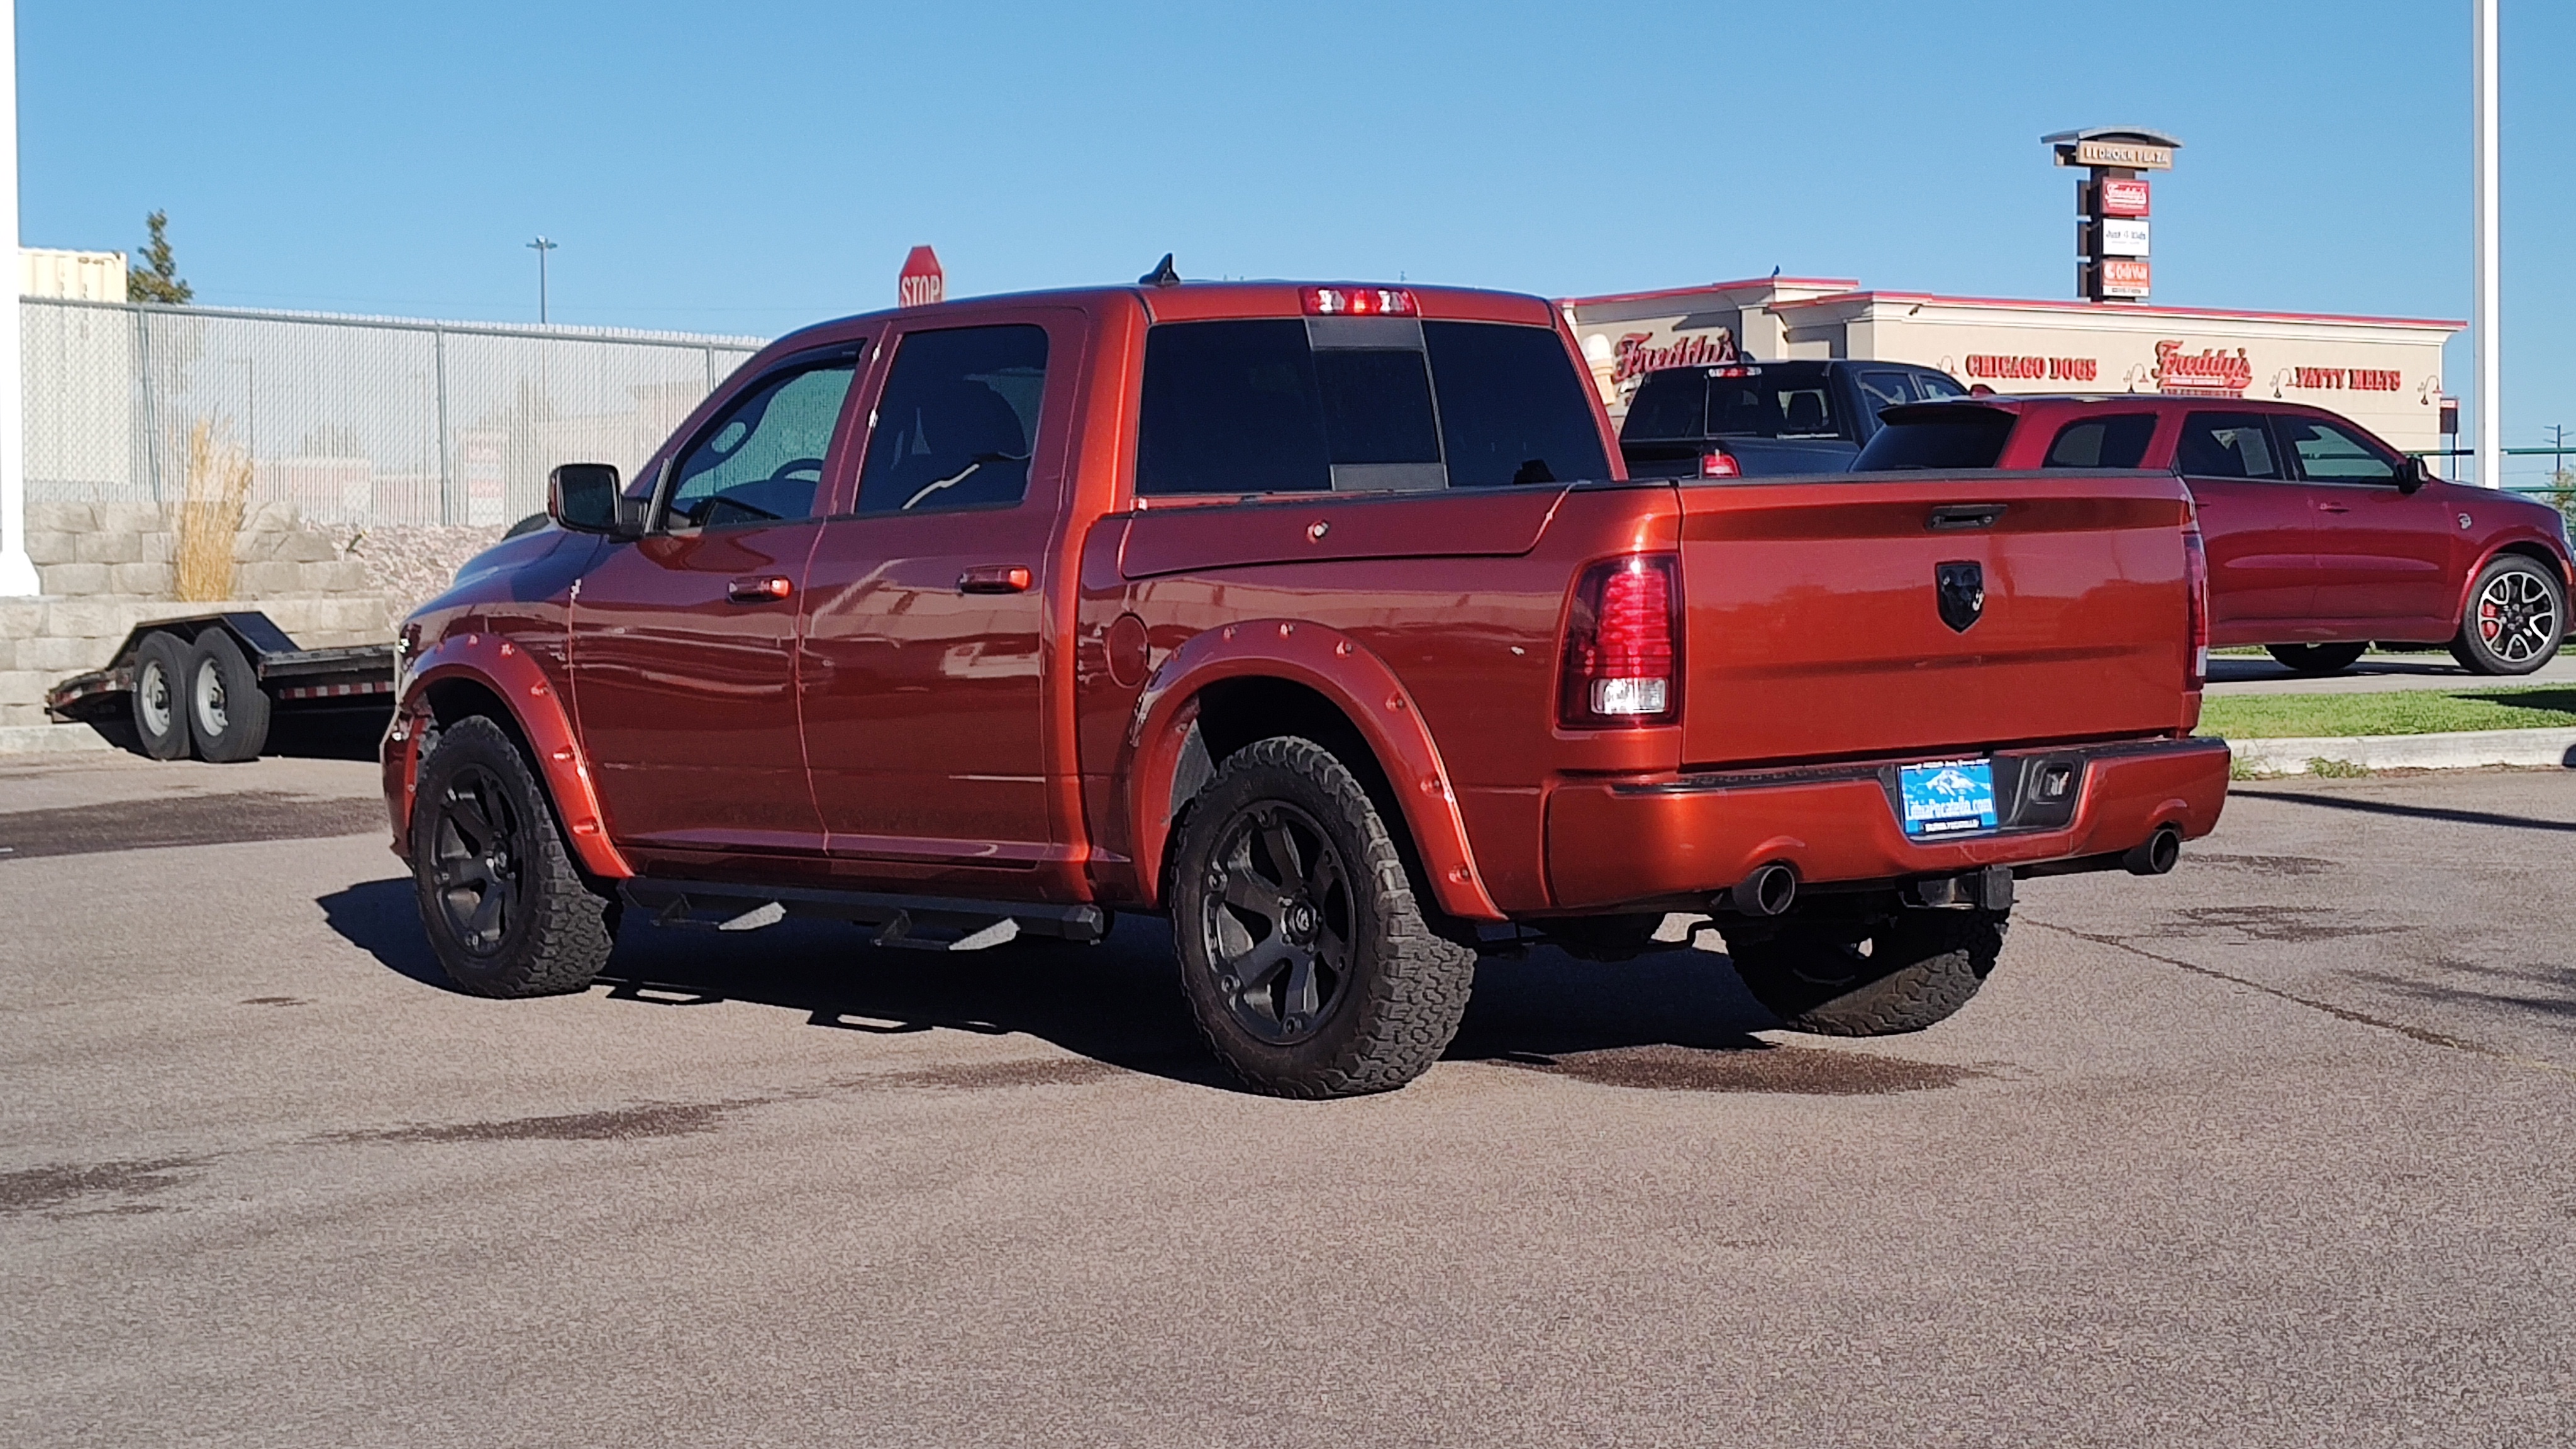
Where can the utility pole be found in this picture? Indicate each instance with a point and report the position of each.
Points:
(2490, 298)
(541, 246)
(17, 571)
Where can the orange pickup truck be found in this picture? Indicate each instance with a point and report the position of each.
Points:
(1320, 620)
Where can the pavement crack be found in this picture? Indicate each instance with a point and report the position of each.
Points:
(2425, 1035)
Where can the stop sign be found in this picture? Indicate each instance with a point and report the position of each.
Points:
(921, 282)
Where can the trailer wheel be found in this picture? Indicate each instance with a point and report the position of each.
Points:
(226, 707)
(1876, 974)
(160, 695)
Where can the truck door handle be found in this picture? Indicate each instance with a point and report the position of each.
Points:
(759, 589)
(996, 579)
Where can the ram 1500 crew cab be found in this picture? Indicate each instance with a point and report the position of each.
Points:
(1317, 619)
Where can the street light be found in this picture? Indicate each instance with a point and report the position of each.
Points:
(541, 246)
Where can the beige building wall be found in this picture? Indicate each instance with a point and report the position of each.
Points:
(80, 276)
(2384, 373)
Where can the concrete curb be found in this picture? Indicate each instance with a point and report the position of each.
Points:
(50, 739)
(2465, 750)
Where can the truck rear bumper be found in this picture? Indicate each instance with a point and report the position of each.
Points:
(1633, 843)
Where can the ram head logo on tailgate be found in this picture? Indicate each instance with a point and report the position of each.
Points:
(1963, 593)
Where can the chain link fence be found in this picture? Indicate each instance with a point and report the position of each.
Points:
(357, 420)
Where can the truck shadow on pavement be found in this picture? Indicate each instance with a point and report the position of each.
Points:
(1116, 1003)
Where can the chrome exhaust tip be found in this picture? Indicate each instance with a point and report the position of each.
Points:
(1769, 891)
(2156, 854)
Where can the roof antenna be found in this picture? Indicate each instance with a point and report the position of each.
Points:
(1162, 275)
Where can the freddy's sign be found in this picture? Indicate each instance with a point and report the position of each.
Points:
(1636, 355)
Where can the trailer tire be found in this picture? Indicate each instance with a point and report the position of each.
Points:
(1307, 957)
(1880, 974)
(159, 700)
(227, 710)
(506, 911)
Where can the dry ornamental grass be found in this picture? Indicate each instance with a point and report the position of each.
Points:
(218, 476)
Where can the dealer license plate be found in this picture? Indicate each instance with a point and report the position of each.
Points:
(1947, 797)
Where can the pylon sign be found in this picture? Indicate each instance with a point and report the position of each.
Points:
(2112, 205)
(921, 282)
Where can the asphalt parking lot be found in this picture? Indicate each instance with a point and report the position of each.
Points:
(2270, 1151)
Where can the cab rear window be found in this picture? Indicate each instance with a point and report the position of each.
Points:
(1944, 438)
(1359, 405)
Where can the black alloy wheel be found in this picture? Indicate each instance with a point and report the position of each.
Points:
(1311, 956)
(1277, 922)
(478, 845)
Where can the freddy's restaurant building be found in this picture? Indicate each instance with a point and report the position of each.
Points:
(2383, 372)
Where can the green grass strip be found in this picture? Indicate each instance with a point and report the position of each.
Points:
(2391, 712)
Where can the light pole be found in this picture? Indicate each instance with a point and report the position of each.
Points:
(17, 571)
(2490, 298)
(541, 246)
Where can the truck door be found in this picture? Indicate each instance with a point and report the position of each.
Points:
(682, 665)
(927, 673)
(2383, 555)
(2255, 523)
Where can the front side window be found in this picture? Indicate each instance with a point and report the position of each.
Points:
(2226, 445)
(2329, 454)
(2112, 442)
(762, 459)
(958, 421)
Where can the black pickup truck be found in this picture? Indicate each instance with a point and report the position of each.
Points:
(1763, 419)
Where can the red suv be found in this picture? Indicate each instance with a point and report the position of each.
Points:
(2321, 537)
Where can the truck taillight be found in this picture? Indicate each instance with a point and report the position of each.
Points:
(1717, 463)
(1357, 301)
(1622, 645)
(2195, 572)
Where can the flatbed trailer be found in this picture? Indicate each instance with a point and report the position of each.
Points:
(214, 685)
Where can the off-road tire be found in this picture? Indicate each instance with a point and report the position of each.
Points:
(160, 699)
(2476, 653)
(1405, 987)
(553, 932)
(227, 710)
(2316, 659)
(1921, 966)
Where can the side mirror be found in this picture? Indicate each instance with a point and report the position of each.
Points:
(589, 498)
(2413, 475)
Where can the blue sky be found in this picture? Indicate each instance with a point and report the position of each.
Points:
(748, 167)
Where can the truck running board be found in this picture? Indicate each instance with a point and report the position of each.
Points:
(918, 923)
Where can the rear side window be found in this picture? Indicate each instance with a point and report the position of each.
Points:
(1935, 385)
(2226, 445)
(1670, 406)
(762, 460)
(1942, 438)
(2113, 442)
(958, 421)
(1230, 407)
(1885, 389)
(1512, 407)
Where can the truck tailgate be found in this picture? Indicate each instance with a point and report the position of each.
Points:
(1816, 626)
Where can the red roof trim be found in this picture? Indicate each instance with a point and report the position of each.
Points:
(1842, 283)
(2023, 304)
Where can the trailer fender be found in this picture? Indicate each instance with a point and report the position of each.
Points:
(1355, 681)
(537, 710)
